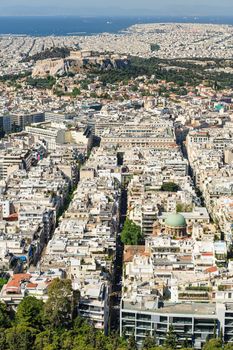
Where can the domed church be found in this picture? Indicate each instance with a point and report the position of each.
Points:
(176, 226)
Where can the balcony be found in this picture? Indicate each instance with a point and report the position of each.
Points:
(228, 324)
(208, 323)
(128, 318)
(140, 334)
(182, 331)
(202, 330)
(143, 326)
(128, 324)
(182, 322)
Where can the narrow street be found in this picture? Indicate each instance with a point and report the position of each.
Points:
(118, 265)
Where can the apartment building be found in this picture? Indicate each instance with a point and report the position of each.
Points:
(5, 124)
(48, 133)
(193, 323)
(22, 120)
(94, 304)
(12, 159)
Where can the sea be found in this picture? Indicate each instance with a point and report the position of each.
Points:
(75, 25)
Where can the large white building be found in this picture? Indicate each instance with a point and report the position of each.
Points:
(50, 134)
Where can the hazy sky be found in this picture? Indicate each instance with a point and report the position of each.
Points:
(117, 7)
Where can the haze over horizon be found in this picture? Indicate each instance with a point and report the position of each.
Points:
(122, 7)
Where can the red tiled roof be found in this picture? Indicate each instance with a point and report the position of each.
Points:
(131, 251)
(32, 285)
(15, 280)
(21, 276)
(13, 284)
(207, 254)
(211, 269)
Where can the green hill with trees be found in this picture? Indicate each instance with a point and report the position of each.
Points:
(178, 71)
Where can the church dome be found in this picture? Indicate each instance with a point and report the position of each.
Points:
(175, 220)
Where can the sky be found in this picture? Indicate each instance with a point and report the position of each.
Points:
(118, 7)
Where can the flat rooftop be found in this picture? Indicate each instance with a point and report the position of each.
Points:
(190, 309)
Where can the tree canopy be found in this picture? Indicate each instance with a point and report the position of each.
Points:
(169, 187)
(192, 73)
(131, 233)
(30, 312)
(59, 307)
(4, 316)
(2, 282)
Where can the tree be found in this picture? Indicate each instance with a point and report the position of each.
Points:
(154, 47)
(100, 341)
(59, 307)
(2, 339)
(84, 84)
(67, 340)
(42, 83)
(81, 326)
(4, 316)
(213, 344)
(2, 282)
(131, 233)
(134, 88)
(132, 345)
(43, 339)
(180, 207)
(148, 343)
(76, 92)
(170, 187)
(117, 343)
(186, 343)
(30, 312)
(85, 334)
(20, 338)
(171, 339)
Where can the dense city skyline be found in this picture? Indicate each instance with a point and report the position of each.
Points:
(129, 7)
(116, 175)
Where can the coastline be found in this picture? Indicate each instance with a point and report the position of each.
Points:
(80, 25)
